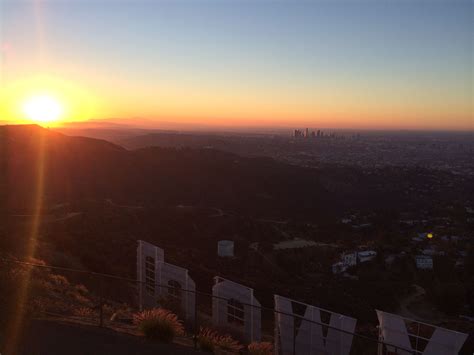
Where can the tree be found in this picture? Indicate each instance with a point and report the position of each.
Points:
(449, 297)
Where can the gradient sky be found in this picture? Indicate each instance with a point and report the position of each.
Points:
(352, 64)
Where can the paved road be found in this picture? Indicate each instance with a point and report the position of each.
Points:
(404, 303)
(44, 337)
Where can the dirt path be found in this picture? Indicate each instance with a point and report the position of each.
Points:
(403, 310)
(112, 203)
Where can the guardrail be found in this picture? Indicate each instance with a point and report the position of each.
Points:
(108, 300)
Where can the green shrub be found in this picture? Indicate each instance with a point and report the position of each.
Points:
(159, 324)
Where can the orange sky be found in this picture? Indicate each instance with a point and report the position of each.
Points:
(244, 64)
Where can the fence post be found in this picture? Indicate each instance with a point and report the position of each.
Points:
(101, 302)
(294, 335)
(195, 319)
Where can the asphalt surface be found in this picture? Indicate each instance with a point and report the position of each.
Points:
(44, 337)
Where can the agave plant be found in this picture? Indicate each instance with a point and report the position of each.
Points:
(211, 341)
(159, 324)
(229, 345)
(206, 339)
(263, 348)
(84, 312)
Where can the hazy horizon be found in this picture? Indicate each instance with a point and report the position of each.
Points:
(239, 64)
(131, 125)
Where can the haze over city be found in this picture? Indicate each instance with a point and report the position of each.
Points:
(339, 64)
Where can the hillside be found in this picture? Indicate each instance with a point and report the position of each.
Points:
(80, 168)
(76, 167)
(94, 180)
(98, 199)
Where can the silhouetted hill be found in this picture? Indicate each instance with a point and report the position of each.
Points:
(81, 168)
(71, 165)
(76, 167)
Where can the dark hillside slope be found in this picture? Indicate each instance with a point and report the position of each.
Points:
(83, 168)
(78, 168)
(69, 166)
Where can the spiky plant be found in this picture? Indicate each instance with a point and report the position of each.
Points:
(159, 324)
(229, 345)
(211, 341)
(261, 348)
(84, 312)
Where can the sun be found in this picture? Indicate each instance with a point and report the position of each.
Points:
(43, 109)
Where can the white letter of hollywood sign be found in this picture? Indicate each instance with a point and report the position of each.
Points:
(393, 330)
(153, 272)
(310, 337)
(234, 305)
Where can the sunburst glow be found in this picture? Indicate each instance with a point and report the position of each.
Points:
(43, 109)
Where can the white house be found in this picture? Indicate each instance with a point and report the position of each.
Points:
(424, 262)
(366, 255)
(348, 260)
(225, 248)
